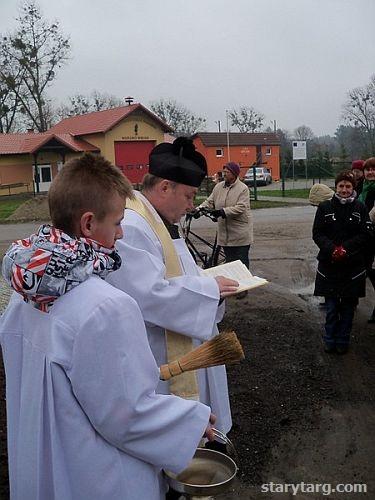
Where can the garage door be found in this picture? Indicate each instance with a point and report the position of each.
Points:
(132, 158)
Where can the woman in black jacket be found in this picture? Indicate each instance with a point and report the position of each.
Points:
(342, 229)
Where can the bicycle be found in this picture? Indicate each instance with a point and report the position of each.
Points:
(215, 255)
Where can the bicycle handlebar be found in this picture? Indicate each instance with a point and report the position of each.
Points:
(206, 212)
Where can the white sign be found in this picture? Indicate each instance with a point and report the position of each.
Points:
(299, 150)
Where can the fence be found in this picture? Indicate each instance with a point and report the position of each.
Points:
(15, 186)
(314, 168)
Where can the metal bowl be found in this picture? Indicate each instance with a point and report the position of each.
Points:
(209, 473)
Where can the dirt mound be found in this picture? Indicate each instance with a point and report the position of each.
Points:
(282, 381)
(34, 209)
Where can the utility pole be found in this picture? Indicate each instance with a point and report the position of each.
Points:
(228, 153)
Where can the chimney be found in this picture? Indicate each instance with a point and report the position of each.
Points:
(30, 130)
(129, 100)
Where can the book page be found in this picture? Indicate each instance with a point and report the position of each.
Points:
(236, 270)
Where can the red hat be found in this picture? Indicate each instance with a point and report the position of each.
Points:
(358, 164)
(233, 167)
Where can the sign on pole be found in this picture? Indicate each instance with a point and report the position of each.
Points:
(299, 150)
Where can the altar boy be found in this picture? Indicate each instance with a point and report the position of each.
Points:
(84, 421)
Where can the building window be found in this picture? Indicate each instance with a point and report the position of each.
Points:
(45, 174)
(219, 153)
(268, 151)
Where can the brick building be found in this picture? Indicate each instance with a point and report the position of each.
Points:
(246, 149)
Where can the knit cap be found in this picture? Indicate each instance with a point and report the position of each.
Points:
(233, 167)
(358, 164)
(319, 193)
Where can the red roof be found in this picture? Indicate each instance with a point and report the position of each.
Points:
(238, 138)
(102, 121)
(32, 142)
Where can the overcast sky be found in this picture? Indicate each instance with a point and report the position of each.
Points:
(293, 60)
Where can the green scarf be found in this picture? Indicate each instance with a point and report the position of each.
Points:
(368, 187)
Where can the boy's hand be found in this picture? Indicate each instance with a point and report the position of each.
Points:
(209, 434)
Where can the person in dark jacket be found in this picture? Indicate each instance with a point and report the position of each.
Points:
(341, 230)
(367, 197)
(357, 169)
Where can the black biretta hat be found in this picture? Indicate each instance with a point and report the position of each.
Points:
(178, 162)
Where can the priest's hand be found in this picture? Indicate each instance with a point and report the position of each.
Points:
(226, 286)
(209, 433)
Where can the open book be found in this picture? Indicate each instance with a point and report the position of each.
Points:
(236, 270)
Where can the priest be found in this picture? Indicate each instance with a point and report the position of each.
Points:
(181, 308)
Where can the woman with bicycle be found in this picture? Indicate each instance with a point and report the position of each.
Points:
(230, 204)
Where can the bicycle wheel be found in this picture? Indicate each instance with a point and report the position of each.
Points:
(200, 258)
(218, 256)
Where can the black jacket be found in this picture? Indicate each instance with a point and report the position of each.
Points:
(359, 186)
(347, 225)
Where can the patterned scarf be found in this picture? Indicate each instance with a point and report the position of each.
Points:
(344, 201)
(50, 263)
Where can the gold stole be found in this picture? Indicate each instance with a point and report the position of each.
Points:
(186, 384)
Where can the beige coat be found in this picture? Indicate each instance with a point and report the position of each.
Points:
(236, 229)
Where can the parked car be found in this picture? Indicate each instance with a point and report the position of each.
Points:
(262, 176)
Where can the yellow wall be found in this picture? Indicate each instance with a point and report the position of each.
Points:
(148, 130)
(15, 169)
(97, 140)
(18, 168)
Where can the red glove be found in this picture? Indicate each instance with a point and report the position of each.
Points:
(338, 254)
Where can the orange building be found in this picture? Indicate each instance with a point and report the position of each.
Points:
(246, 149)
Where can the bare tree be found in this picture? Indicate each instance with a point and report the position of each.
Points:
(29, 60)
(303, 133)
(9, 105)
(101, 101)
(246, 119)
(77, 105)
(359, 111)
(80, 104)
(178, 117)
(350, 142)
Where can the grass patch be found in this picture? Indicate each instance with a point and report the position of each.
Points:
(289, 193)
(199, 199)
(268, 204)
(8, 205)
